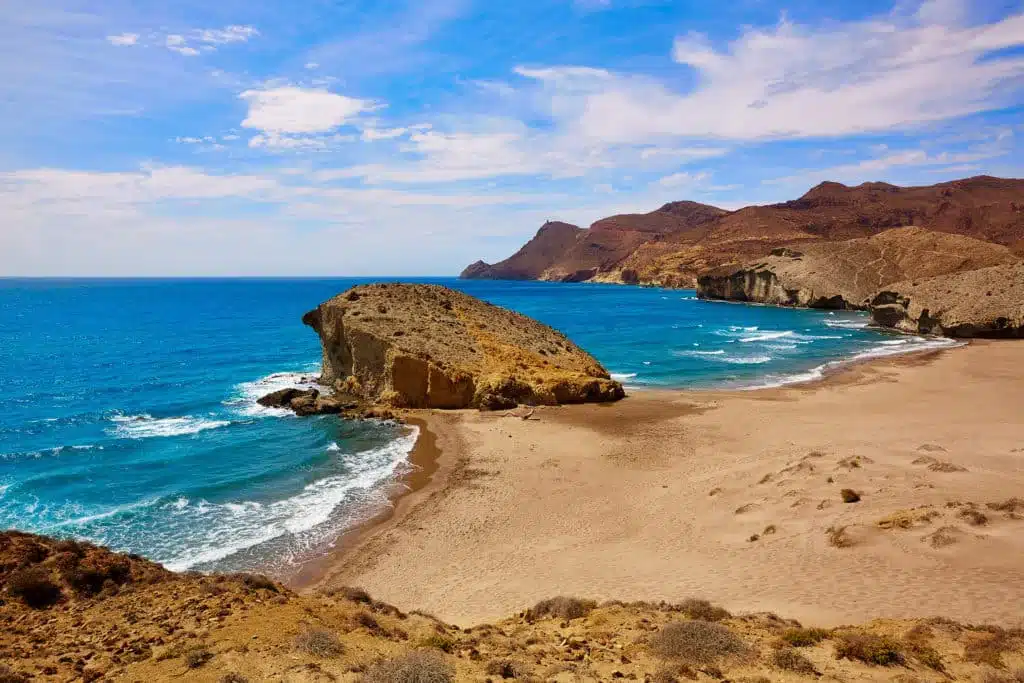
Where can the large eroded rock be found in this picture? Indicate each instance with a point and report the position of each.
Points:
(426, 346)
(847, 274)
(980, 303)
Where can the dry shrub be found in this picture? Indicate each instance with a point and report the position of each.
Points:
(507, 668)
(988, 648)
(849, 496)
(974, 516)
(944, 537)
(804, 637)
(233, 678)
(352, 594)
(420, 666)
(1010, 505)
(869, 648)
(1016, 676)
(9, 675)
(702, 609)
(788, 659)
(319, 642)
(34, 587)
(698, 642)
(561, 607)
(197, 657)
(838, 537)
(944, 466)
(255, 582)
(438, 642)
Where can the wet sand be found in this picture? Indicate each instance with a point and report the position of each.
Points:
(660, 497)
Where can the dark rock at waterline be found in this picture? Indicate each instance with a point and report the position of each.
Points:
(305, 402)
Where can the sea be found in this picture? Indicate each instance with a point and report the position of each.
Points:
(130, 417)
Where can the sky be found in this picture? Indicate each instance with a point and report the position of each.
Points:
(412, 137)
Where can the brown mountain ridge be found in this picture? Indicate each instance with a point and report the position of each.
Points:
(673, 245)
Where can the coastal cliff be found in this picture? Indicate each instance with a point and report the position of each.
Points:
(847, 274)
(988, 302)
(426, 346)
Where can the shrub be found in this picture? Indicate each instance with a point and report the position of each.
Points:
(1008, 505)
(352, 594)
(1016, 676)
(256, 582)
(974, 517)
(838, 538)
(804, 637)
(438, 642)
(849, 496)
(789, 659)
(702, 609)
(9, 675)
(197, 656)
(869, 648)
(91, 574)
(507, 668)
(420, 666)
(988, 648)
(319, 642)
(233, 678)
(699, 642)
(561, 607)
(34, 587)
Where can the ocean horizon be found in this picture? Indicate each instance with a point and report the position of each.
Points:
(132, 418)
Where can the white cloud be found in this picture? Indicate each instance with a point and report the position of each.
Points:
(312, 65)
(176, 43)
(372, 134)
(278, 141)
(228, 34)
(793, 80)
(683, 179)
(123, 39)
(291, 109)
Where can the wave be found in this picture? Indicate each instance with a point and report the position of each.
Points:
(746, 360)
(767, 336)
(622, 376)
(847, 324)
(146, 426)
(304, 521)
(248, 393)
(689, 352)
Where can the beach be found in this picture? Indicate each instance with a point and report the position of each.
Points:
(731, 496)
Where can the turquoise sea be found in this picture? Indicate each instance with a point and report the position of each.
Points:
(130, 413)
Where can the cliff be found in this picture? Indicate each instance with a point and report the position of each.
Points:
(550, 243)
(846, 274)
(425, 346)
(988, 302)
(676, 243)
(148, 624)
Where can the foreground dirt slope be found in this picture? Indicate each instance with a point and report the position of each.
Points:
(151, 625)
(425, 346)
(983, 207)
(847, 274)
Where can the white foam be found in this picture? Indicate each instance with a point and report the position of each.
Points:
(767, 336)
(857, 324)
(305, 518)
(622, 376)
(746, 360)
(690, 352)
(146, 426)
(248, 393)
(333, 447)
(86, 519)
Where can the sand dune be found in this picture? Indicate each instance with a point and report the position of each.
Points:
(660, 497)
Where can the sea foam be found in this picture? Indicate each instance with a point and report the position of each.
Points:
(146, 426)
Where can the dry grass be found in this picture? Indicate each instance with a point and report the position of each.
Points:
(197, 657)
(33, 586)
(9, 675)
(974, 516)
(1010, 505)
(507, 668)
(351, 594)
(988, 648)
(233, 678)
(804, 637)
(944, 466)
(319, 642)
(420, 666)
(849, 496)
(697, 642)
(1016, 676)
(788, 659)
(561, 607)
(696, 608)
(838, 537)
(438, 642)
(869, 648)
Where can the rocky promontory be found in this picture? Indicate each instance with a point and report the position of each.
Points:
(847, 274)
(427, 346)
(988, 302)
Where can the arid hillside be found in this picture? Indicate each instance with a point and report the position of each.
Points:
(75, 612)
(673, 245)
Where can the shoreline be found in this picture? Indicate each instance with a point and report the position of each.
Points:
(384, 555)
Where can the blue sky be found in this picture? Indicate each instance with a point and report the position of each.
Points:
(382, 137)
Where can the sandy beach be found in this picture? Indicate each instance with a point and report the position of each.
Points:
(730, 496)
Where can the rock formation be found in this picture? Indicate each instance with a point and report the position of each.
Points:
(533, 259)
(673, 245)
(988, 302)
(846, 274)
(426, 346)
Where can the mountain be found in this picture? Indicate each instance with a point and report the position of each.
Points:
(674, 244)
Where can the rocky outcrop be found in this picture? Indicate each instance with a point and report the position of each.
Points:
(845, 275)
(988, 302)
(426, 346)
(536, 257)
(675, 244)
(306, 402)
